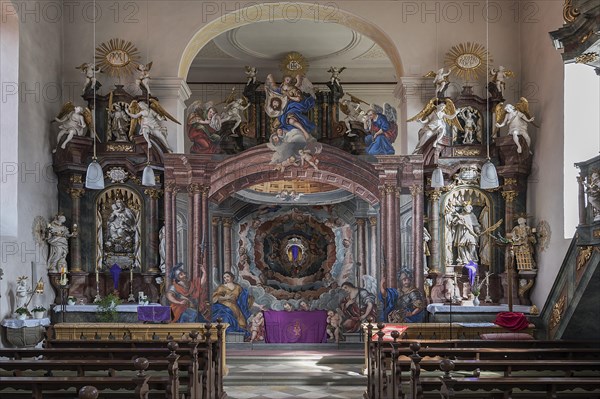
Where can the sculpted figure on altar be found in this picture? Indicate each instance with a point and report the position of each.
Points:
(151, 118)
(435, 117)
(121, 226)
(517, 117)
(57, 236)
(402, 305)
(356, 307)
(232, 304)
(466, 231)
(382, 131)
(523, 241)
(184, 294)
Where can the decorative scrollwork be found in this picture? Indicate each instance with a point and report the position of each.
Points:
(557, 312)
(587, 58)
(570, 13)
(509, 196)
(111, 147)
(467, 152)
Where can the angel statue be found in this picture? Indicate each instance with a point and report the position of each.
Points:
(143, 79)
(382, 129)
(74, 121)
(498, 80)
(251, 74)
(351, 108)
(232, 112)
(592, 189)
(335, 75)
(90, 71)
(517, 117)
(440, 80)
(151, 119)
(435, 118)
(203, 127)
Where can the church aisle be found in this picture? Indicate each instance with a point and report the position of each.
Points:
(279, 374)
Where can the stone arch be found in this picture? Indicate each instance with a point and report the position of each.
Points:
(336, 168)
(268, 12)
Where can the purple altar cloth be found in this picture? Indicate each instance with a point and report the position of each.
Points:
(292, 327)
(154, 314)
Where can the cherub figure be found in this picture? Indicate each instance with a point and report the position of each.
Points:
(498, 79)
(90, 71)
(232, 112)
(143, 79)
(440, 80)
(21, 292)
(151, 121)
(251, 74)
(335, 74)
(334, 322)
(517, 117)
(257, 327)
(306, 156)
(435, 118)
(74, 121)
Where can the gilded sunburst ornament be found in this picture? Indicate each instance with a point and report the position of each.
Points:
(294, 64)
(117, 57)
(468, 60)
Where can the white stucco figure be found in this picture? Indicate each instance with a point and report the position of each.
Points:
(440, 80)
(89, 70)
(57, 236)
(593, 193)
(73, 121)
(151, 119)
(143, 79)
(335, 74)
(251, 74)
(516, 117)
(435, 118)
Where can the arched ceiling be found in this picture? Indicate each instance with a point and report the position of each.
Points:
(265, 44)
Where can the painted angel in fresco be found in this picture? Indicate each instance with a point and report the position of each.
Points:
(74, 121)
(517, 117)
(203, 126)
(183, 295)
(402, 305)
(436, 115)
(233, 112)
(358, 305)
(232, 304)
(382, 130)
(151, 119)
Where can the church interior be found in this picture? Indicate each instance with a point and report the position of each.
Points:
(310, 180)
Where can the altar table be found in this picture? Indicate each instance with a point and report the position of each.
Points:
(295, 327)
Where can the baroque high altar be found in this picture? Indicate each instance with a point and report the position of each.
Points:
(293, 197)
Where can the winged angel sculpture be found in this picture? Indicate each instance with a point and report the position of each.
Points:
(436, 115)
(74, 121)
(150, 120)
(517, 117)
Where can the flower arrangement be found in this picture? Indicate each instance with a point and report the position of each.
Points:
(39, 308)
(22, 311)
(106, 311)
(71, 300)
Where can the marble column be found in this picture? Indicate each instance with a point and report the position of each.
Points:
(153, 258)
(417, 195)
(76, 194)
(214, 243)
(193, 228)
(205, 225)
(581, 200)
(361, 242)
(389, 232)
(434, 225)
(227, 255)
(175, 225)
(374, 248)
(169, 227)
(397, 228)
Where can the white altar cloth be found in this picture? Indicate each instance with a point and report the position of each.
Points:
(443, 308)
(128, 308)
(16, 323)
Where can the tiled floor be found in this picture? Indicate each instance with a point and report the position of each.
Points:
(278, 374)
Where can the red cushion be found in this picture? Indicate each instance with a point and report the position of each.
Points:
(512, 321)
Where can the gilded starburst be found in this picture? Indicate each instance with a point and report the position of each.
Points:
(117, 57)
(468, 60)
(294, 64)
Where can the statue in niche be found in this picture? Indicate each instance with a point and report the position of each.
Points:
(356, 307)
(162, 250)
(183, 296)
(119, 123)
(403, 305)
(448, 233)
(435, 117)
(466, 231)
(516, 117)
(121, 228)
(471, 125)
(523, 240)
(57, 236)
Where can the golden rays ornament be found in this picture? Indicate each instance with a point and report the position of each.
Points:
(468, 60)
(294, 64)
(117, 57)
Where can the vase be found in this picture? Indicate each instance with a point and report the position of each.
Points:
(476, 301)
(38, 315)
(21, 316)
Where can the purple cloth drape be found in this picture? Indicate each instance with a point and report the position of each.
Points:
(292, 327)
(154, 314)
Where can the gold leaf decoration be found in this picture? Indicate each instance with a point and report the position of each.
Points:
(117, 57)
(468, 60)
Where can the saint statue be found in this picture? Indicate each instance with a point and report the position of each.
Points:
(57, 236)
(466, 231)
(121, 227)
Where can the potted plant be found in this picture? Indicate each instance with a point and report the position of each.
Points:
(22, 313)
(71, 300)
(106, 311)
(38, 312)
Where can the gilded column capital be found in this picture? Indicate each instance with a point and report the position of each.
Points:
(170, 187)
(416, 189)
(510, 181)
(76, 178)
(216, 220)
(227, 222)
(360, 221)
(153, 193)
(76, 192)
(193, 188)
(373, 220)
(389, 189)
(509, 196)
(204, 189)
